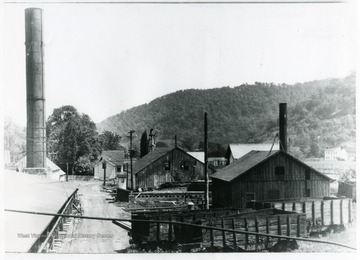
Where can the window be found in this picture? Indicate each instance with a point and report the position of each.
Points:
(279, 170)
(118, 168)
(185, 165)
(167, 166)
(307, 174)
(250, 196)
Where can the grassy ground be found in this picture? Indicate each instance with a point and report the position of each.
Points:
(347, 237)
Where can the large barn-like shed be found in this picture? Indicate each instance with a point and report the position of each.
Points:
(167, 165)
(266, 176)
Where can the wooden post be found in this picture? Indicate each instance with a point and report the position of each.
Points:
(223, 233)
(211, 235)
(131, 159)
(234, 234)
(157, 230)
(67, 171)
(350, 217)
(279, 228)
(283, 206)
(246, 235)
(257, 236)
(298, 226)
(104, 167)
(288, 225)
(267, 232)
(341, 212)
(304, 207)
(322, 213)
(170, 229)
(206, 162)
(127, 176)
(313, 212)
(294, 206)
(332, 212)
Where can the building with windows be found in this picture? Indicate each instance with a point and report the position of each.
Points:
(164, 165)
(217, 162)
(116, 163)
(266, 176)
(337, 153)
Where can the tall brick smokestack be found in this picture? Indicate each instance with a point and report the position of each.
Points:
(35, 103)
(283, 127)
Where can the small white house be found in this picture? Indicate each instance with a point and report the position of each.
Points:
(337, 153)
(116, 164)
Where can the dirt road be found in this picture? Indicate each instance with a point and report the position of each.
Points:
(94, 236)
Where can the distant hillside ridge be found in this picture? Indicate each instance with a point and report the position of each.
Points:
(321, 114)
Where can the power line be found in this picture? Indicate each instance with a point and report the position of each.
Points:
(175, 2)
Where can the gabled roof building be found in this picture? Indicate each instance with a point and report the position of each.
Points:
(167, 165)
(266, 176)
(115, 160)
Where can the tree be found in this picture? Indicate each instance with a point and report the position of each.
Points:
(110, 141)
(71, 136)
(161, 144)
(14, 140)
(144, 146)
(187, 143)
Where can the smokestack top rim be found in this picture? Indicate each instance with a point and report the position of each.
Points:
(33, 9)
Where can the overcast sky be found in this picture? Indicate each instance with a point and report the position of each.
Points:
(106, 58)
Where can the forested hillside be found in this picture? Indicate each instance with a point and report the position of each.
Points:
(320, 113)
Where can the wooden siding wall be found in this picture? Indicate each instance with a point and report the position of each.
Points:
(348, 190)
(222, 192)
(99, 171)
(262, 180)
(155, 174)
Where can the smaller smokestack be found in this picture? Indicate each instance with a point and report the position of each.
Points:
(151, 140)
(175, 140)
(283, 127)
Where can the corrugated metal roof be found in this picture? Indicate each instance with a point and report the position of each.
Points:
(239, 150)
(200, 156)
(250, 160)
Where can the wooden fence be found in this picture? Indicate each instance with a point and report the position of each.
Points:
(269, 221)
(320, 212)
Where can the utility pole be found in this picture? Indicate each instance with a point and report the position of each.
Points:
(206, 161)
(104, 167)
(127, 176)
(131, 159)
(67, 171)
